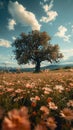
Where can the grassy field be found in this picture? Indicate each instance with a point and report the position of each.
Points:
(36, 101)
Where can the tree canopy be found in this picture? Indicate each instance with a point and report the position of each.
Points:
(35, 47)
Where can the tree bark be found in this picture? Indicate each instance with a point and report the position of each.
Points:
(37, 67)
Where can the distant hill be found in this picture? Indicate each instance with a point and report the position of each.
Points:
(50, 67)
(58, 66)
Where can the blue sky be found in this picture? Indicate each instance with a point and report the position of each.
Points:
(53, 16)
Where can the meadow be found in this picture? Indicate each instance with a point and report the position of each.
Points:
(36, 101)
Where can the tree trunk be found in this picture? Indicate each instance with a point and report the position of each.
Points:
(37, 67)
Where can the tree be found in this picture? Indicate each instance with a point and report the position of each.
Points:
(35, 47)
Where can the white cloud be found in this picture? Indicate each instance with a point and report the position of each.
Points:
(22, 16)
(67, 51)
(51, 15)
(14, 38)
(46, 7)
(62, 33)
(5, 43)
(11, 24)
(67, 54)
(49, 7)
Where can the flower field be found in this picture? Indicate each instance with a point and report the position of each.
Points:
(36, 101)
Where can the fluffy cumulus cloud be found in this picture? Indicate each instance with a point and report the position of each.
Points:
(5, 43)
(11, 24)
(22, 16)
(51, 15)
(47, 7)
(62, 33)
